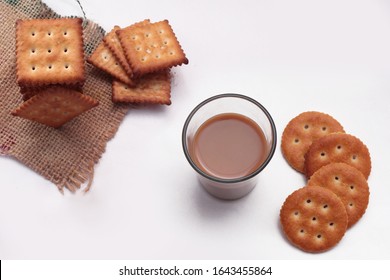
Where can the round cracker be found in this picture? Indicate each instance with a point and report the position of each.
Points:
(301, 131)
(338, 147)
(314, 219)
(348, 183)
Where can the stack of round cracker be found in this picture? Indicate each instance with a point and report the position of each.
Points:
(336, 165)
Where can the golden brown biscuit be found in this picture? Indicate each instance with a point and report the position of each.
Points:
(301, 131)
(104, 59)
(314, 219)
(348, 183)
(55, 106)
(153, 88)
(49, 51)
(151, 47)
(28, 92)
(338, 147)
(112, 42)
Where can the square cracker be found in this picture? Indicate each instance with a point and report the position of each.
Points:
(49, 51)
(112, 42)
(154, 88)
(151, 47)
(28, 92)
(55, 106)
(105, 60)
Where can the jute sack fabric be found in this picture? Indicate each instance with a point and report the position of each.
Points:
(64, 156)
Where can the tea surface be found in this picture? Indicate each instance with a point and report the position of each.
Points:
(229, 146)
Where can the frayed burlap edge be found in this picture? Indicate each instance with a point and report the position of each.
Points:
(83, 172)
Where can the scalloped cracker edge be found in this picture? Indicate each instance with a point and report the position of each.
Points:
(55, 106)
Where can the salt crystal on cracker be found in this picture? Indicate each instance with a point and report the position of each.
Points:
(151, 47)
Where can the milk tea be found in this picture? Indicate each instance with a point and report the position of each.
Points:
(229, 146)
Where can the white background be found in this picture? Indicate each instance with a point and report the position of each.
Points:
(146, 203)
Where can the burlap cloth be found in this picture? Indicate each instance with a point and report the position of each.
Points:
(64, 156)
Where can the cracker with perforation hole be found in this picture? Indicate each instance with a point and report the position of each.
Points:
(338, 147)
(49, 51)
(348, 183)
(112, 42)
(301, 131)
(103, 58)
(151, 47)
(55, 106)
(313, 219)
(153, 88)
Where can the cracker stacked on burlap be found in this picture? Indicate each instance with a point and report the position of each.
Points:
(139, 58)
(337, 165)
(50, 69)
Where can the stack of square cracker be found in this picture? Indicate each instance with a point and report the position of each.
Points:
(139, 58)
(50, 69)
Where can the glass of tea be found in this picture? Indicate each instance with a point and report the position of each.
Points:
(229, 139)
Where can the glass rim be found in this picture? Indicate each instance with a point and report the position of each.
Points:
(232, 180)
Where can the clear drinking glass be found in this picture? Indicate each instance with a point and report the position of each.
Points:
(231, 188)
